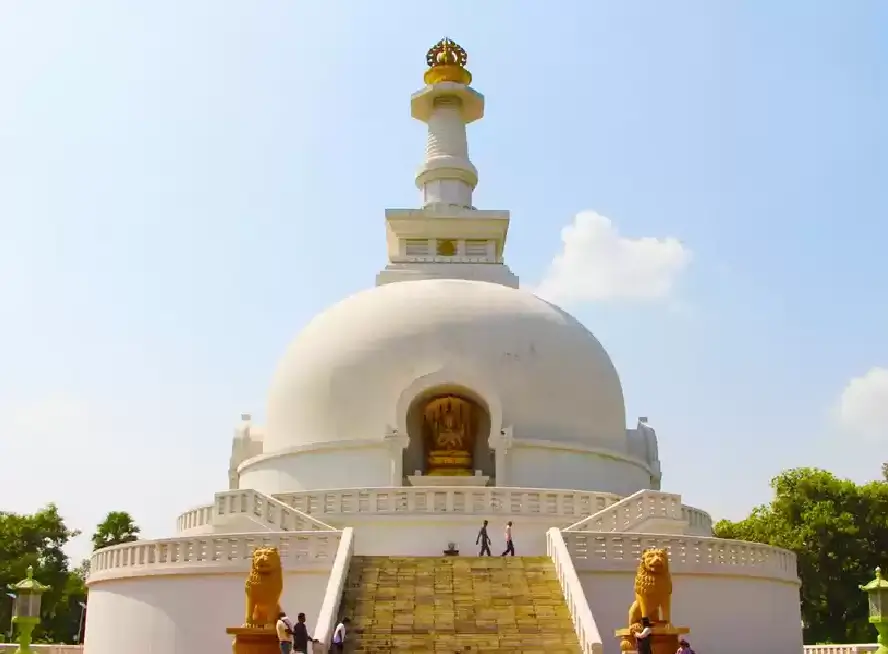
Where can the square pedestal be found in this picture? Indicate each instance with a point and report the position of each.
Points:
(664, 639)
(249, 640)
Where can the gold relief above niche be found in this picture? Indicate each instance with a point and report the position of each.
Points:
(449, 425)
(446, 248)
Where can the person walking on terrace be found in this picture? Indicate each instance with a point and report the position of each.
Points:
(510, 546)
(484, 540)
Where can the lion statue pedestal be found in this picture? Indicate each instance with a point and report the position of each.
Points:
(264, 586)
(653, 600)
(664, 639)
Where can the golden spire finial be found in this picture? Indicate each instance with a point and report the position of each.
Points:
(447, 63)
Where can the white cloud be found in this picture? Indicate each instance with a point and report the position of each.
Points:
(863, 405)
(597, 263)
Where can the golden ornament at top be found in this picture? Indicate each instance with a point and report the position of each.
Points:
(447, 63)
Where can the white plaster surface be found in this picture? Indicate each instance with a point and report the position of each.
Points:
(539, 467)
(396, 536)
(551, 376)
(361, 464)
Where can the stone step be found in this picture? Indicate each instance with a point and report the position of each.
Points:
(440, 604)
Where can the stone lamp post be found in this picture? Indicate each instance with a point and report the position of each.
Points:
(26, 609)
(877, 590)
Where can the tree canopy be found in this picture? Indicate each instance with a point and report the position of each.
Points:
(839, 532)
(38, 540)
(117, 528)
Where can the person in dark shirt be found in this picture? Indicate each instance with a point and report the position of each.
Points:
(484, 540)
(300, 636)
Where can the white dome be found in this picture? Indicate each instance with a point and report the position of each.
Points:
(355, 369)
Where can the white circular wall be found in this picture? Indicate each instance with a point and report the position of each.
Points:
(182, 613)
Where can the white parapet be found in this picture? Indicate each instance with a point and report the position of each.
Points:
(208, 554)
(581, 510)
(698, 555)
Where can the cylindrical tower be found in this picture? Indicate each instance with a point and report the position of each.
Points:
(447, 104)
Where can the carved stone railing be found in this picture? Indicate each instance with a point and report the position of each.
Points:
(699, 522)
(574, 596)
(187, 555)
(560, 504)
(841, 649)
(267, 511)
(594, 511)
(328, 616)
(631, 512)
(199, 516)
(688, 554)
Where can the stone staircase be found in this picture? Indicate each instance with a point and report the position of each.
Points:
(456, 605)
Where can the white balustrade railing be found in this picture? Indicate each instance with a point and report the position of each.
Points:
(574, 596)
(594, 511)
(631, 511)
(618, 552)
(328, 616)
(699, 522)
(841, 649)
(212, 553)
(199, 516)
(267, 511)
(560, 504)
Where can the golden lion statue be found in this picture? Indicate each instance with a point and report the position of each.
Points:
(653, 589)
(264, 586)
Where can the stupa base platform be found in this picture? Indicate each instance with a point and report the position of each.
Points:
(664, 638)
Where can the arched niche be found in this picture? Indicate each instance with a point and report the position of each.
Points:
(439, 384)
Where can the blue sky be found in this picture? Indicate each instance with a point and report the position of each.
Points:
(177, 180)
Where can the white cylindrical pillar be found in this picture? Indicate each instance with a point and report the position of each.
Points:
(447, 176)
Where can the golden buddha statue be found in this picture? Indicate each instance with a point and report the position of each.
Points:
(448, 426)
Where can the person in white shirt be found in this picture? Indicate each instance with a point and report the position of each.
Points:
(284, 633)
(510, 546)
(339, 635)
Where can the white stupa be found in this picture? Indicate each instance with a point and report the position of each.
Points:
(404, 415)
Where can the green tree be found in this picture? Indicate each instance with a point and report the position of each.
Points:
(838, 531)
(38, 540)
(118, 527)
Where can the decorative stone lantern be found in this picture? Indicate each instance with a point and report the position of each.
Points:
(26, 609)
(877, 590)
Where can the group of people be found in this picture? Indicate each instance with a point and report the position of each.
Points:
(294, 638)
(484, 540)
(643, 640)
